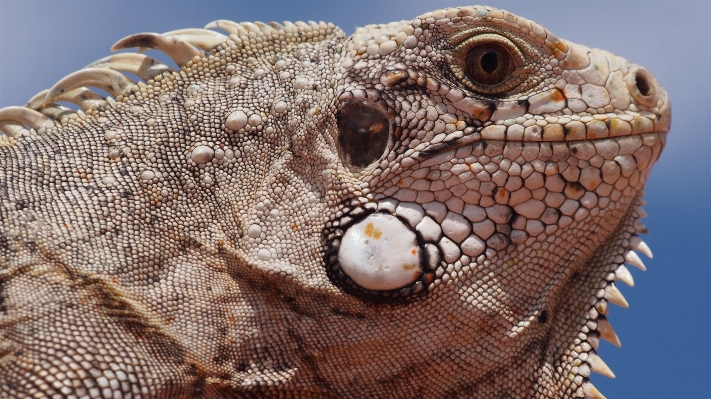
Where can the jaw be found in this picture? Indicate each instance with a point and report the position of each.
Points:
(536, 306)
(579, 307)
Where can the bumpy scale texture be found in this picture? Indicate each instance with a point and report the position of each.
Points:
(182, 237)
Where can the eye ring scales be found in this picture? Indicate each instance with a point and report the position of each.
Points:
(490, 63)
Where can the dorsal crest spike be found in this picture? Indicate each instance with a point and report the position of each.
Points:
(25, 116)
(113, 82)
(56, 111)
(141, 65)
(201, 38)
(37, 100)
(179, 50)
(12, 129)
(228, 26)
(80, 96)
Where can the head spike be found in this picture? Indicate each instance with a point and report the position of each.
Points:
(641, 213)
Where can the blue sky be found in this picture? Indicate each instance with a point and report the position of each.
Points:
(665, 334)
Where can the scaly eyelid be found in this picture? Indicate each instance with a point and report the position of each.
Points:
(457, 62)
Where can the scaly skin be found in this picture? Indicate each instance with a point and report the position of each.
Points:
(188, 239)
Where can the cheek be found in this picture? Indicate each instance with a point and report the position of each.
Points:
(530, 210)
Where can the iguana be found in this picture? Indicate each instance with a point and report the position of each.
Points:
(435, 208)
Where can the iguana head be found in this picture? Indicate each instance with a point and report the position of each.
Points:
(434, 208)
(483, 197)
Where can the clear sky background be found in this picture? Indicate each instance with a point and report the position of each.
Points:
(666, 334)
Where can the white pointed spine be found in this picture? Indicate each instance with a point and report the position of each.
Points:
(37, 100)
(81, 96)
(276, 25)
(230, 27)
(202, 38)
(56, 111)
(105, 79)
(613, 295)
(251, 27)
(26, 116)
(138, 64)
(623, 274)
(637, 244)
(607, 332)
(266, 28)
(591, 392)
(598, 366)
(633, 259)
(180, 51)
(13, 129)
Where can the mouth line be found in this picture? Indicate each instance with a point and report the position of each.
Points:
(435, 149)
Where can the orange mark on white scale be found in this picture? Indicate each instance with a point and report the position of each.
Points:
(372, 232)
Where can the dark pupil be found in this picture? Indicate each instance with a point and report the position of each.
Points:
(488, 64)
(489, 61)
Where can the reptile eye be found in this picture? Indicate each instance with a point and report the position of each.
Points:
(492, 64)
(363, 132)
(488, 64)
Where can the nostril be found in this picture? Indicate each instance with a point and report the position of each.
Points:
(643, 86)
(642, 82)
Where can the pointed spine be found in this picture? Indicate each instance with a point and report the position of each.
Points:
(637, 244)
(613, 295)
(591, 392)
(141, 65)
(230, 27)
(633, 259)
(37, 100)
(623, 274)
(26, 116)
(111, 81)
(80, 96)
(598, 366)
(56, 111)
(13, 129)
(607, 332)
(201, 38)
(180, 51)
